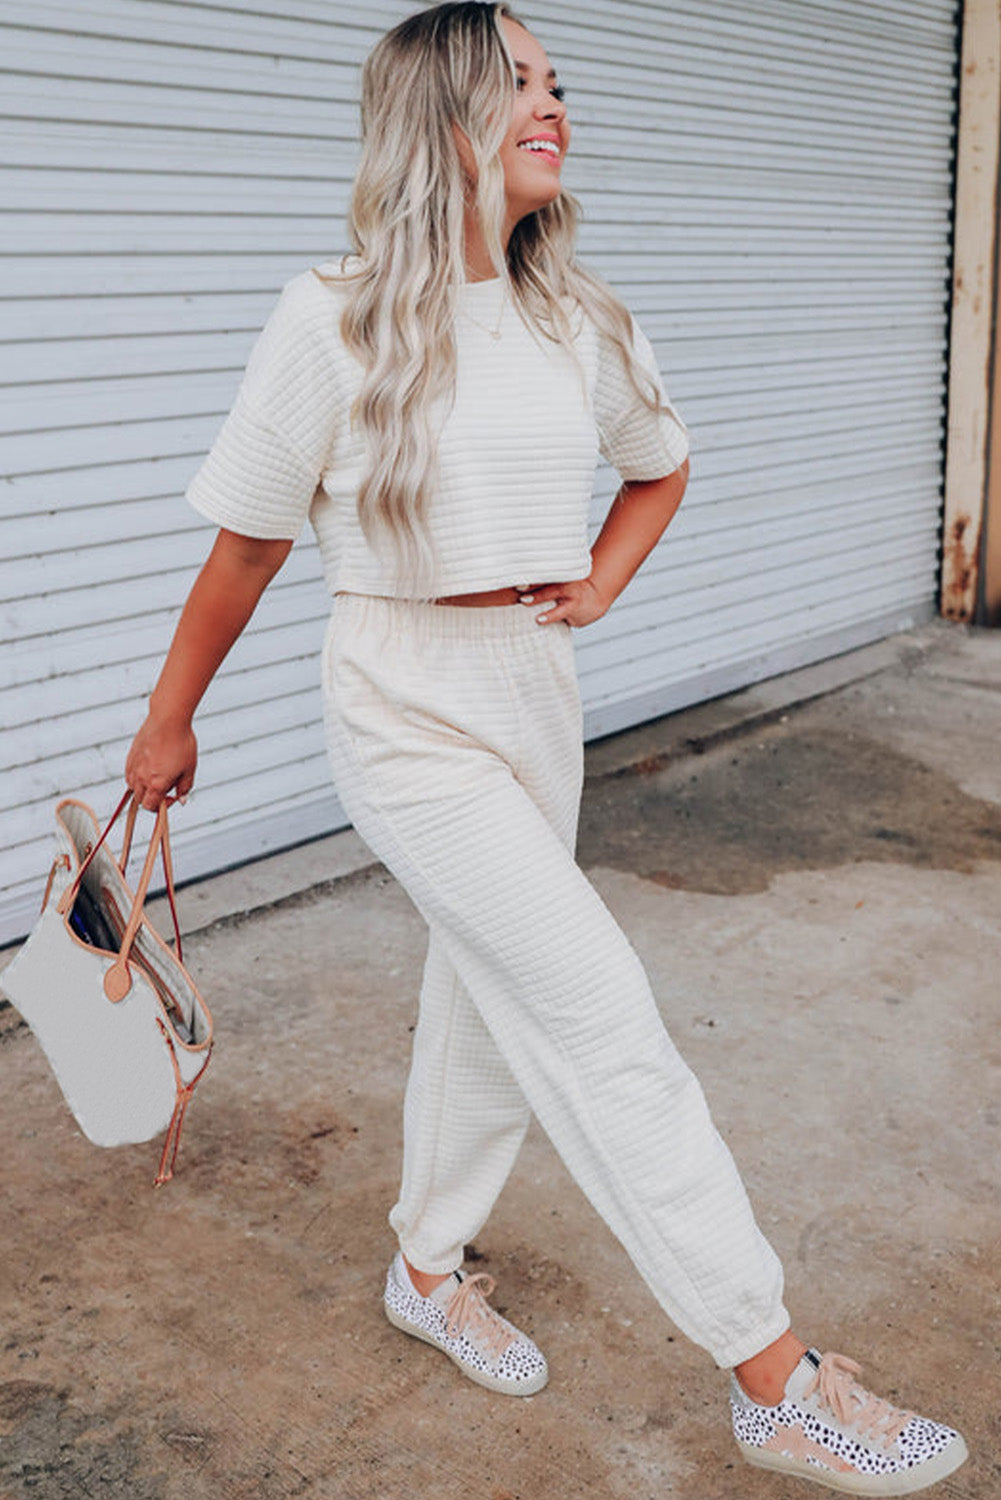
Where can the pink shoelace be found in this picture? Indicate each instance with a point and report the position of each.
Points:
(467, 1308)
(870, 1415)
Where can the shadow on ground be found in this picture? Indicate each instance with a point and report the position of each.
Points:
(791, 798)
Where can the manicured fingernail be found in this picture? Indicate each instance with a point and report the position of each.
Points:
(183, 800)
(528, 599)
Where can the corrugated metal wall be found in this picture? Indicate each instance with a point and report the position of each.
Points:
(787, 236)
(767, 184)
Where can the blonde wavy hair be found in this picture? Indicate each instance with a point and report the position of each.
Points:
(447, 63)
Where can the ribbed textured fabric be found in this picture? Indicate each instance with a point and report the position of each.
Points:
(516, 454)
(455, 742)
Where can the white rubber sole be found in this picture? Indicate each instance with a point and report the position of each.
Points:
(907, 1482)
(502, 1387)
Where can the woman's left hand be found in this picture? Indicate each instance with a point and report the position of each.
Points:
(578, 602)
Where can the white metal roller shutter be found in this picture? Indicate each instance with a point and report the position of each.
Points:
(768, 186)
(166, 168)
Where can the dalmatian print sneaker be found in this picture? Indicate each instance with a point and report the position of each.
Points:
(828, 1429)
(458, 1319)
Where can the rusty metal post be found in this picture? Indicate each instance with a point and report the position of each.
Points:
(989, 609)
(974, 292)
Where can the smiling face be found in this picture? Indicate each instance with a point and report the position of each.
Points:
(538, 135)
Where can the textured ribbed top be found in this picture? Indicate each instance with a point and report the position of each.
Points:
(516, 453)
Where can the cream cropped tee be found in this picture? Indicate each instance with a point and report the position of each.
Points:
(516, 454)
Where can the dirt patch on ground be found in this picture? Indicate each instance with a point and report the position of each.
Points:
(52, 1447)
(791, 798)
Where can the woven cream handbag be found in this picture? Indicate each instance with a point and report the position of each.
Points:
(116, 1012)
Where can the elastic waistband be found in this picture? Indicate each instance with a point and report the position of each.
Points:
(443, 622)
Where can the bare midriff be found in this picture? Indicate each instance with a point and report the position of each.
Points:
(490, 596)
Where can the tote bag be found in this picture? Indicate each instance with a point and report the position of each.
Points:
(117, 1014)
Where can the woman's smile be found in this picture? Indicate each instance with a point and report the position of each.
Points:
(547, 147)
(539, 128)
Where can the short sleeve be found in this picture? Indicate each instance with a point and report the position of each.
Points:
(639, 443)
(266, 462)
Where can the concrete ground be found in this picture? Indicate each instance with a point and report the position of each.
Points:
(811, 871)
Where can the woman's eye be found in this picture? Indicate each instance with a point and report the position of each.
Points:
(559, 92)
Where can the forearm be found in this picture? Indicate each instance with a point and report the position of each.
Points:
(222, 600)
(639, 515)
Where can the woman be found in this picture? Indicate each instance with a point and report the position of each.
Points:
(435, 404)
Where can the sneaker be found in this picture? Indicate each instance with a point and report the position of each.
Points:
(457, 1319)
(828, 1429)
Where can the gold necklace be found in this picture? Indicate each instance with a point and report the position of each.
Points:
(494, 333)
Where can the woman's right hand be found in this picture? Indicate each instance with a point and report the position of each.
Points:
(162, 760)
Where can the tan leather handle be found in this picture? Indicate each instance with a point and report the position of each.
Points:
(168, 863)
(118, 981)
(69, 894)
(130, 827)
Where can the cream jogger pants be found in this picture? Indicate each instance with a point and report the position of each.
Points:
(455, 742)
